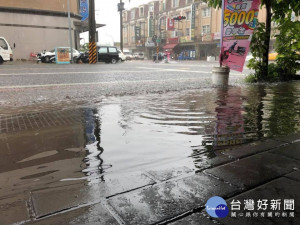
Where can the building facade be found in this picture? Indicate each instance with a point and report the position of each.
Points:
(34, 25)
(198, 33)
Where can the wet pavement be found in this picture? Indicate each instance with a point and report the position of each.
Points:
(24, 84)
(151, 158)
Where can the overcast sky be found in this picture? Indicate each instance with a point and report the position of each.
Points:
(107, 13)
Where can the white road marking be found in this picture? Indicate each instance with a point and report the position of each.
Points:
(62, 73)
(99, 83)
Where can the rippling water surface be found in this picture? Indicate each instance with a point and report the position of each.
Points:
(134, 133)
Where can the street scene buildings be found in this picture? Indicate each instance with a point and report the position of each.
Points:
(197, 36)
(97, 136)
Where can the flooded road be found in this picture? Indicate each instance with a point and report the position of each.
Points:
(186, 129)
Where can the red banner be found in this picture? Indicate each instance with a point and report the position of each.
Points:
(239, 21)
(170, 24)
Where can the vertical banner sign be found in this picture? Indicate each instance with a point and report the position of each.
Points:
(84, 9)
(170, 25)
(193, 22)
(239, 21)
(151, 24)
(137, 33)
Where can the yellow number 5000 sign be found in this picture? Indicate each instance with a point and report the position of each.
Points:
(238, 18)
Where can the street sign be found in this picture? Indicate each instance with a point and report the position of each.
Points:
(158, 41)
(121, 6)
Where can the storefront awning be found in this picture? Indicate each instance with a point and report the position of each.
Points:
(169, 46)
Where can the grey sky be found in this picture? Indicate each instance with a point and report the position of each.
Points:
(107, 13)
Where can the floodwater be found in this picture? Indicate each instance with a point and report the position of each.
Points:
(140, 133)
(134, 133)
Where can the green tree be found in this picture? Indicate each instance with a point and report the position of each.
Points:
(84, 47)
(278, 11)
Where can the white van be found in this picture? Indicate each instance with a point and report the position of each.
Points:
(5, 51)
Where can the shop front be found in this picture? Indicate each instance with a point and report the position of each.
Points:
(171, 47)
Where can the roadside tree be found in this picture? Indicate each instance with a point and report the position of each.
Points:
(286, 44)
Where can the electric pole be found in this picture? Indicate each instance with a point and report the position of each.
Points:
(92, 33)
(70, 32)
(120, 9)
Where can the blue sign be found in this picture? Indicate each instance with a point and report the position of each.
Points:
(217, 207)
(84, 9)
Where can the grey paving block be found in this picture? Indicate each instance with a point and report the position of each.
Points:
(291, 150)
(294, 175)
(168, 200)
(254, 170)
(56, 199)
(195, 219)
(291, 138)
(252, 148)
(167, 173)
(94, 214)
(13, 210)
(281, 188)
(210, 159)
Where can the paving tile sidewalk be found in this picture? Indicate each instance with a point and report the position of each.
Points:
(266, 169)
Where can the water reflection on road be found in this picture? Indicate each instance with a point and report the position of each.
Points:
(134, 133)
(127, 134)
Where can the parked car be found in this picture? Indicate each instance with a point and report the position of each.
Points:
(48, 56)
(272, 56)
(5, 51)
(138, 56)
(108, 54)
(161, 56)
(128, 55)
(122, 55)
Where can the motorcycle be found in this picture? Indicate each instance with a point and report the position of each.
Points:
(83, 57)
(231, 50)
(45, 58)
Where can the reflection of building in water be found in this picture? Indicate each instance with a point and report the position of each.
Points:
(229, 128)
(40, 148)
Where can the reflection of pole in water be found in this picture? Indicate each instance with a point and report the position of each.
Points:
(97, 133)
(94, 162)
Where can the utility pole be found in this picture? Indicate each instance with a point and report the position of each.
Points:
(70, 32)
(92, 33)
(120, 9)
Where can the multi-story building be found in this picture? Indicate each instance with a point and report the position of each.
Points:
(34, 25)
(200, 31)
